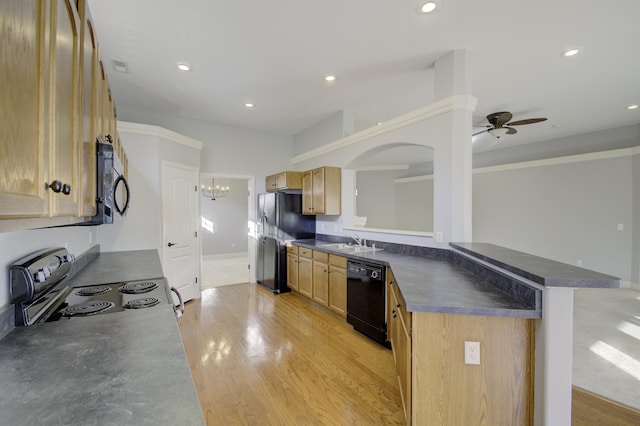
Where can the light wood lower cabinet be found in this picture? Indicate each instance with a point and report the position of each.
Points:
(305, 274)
(338, 284)
(292, 271)
(437, 387)
(319, 276)
(399, 332)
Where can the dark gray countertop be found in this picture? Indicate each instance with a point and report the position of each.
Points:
(437, 285)
(127, 368)
(130, 266)
(538, 269)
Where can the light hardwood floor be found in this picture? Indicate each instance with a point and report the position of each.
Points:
(261, 359)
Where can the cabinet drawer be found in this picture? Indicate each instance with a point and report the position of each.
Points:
(321, 256)
(292, 249)
(339, 261)
(305, 252)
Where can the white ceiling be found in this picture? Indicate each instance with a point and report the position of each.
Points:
(275, 53)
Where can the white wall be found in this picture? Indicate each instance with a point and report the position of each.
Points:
(567, 209)
(15, 245)
(228, 150)
(146, 147)
(228, 216)
(635, 252)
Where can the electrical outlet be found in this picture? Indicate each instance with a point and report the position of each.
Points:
(579, 262)
(439, 237)
(472, 353)
(621, 227)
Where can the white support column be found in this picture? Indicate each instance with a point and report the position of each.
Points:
(554, 358)
(453, 167)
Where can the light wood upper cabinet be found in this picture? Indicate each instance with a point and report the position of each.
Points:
(52, 109)
(321, 191)
(91, 83)
(24, 152)
(283, 181)
(64, 106)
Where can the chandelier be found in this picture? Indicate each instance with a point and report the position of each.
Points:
(214, 191)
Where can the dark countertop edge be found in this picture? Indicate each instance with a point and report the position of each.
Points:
(483, 251)
(486, 312)
(421, 308)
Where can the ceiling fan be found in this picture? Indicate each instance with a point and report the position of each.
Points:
(499, 124)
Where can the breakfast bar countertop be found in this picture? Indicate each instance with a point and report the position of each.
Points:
(435, 284)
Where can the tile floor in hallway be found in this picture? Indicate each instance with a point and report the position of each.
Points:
(225, 269)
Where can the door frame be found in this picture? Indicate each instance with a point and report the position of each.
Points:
(251, 218)
(196, 218)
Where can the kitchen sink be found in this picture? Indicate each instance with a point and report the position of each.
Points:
(347, 248)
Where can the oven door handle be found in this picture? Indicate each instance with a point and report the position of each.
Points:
(175, 290)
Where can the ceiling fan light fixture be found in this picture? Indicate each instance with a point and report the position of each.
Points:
(498, 132)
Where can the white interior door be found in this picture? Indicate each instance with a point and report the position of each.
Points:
(180, 253)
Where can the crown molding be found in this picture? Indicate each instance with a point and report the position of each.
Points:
(460, 102)
(413, 179)
(147, 129)
(602, 155)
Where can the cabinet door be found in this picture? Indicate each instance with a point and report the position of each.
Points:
(305, 276)
(292, 271)
(307, 192)
(24, 151)
(338, 290)
(91, 82)
(270, 183)
(65, 106)
(321, 283)
(318, 190)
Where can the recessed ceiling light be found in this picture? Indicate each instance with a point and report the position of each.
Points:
(249, 105)
(428, 7)
(634, 106)
(571, 52)
(330, 78)
(184, 67)
(379, 123)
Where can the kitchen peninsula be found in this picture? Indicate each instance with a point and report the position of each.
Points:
(518, 306)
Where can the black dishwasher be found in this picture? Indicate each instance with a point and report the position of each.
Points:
(366, 300)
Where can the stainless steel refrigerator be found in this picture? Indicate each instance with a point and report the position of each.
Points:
(280, 220)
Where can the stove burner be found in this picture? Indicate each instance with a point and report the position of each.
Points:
(146, 302)
(93, 291)
(86, 308)
(138, 287)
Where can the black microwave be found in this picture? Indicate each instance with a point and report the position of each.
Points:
(112, 192)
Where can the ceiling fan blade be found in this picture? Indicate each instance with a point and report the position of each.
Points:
(497, 119)
(526, 121)
(511, 130)
(480, 132)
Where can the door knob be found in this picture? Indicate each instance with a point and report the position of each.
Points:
(171, 244)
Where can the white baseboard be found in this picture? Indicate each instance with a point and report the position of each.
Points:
(224, 255)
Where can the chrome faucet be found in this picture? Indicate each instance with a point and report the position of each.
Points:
(360, 241)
